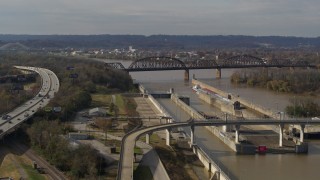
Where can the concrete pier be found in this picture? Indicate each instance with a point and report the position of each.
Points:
(168, 137)
(192, 138)
(186, 75)
(237, 128)
(226, 128)
(302, 126)
(281, 135)
(148, 138)
(218, 73)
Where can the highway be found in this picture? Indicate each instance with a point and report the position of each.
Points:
(125, 170)
(49, 86)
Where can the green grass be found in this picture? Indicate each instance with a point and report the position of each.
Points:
(120, 103)
(32, 173)
(143, 173)
(7, 167)
(137, 150)
(154, 138)
(100, 100)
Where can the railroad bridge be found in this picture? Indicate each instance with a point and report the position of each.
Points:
(241, 61)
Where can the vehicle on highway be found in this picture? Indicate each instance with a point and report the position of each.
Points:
(26, 114)
(6, 117)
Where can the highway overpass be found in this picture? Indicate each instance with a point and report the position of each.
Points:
(49, 86)
(125, 170)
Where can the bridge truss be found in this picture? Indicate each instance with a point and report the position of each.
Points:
(240, 61)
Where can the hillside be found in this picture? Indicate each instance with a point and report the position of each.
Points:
(159, 42)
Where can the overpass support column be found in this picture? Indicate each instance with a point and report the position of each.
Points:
(280, 134)
(226, 128)
(302, 126)
(148, 138)
(237, 127)
(192, 138)
(218, 73)
(168, 137)
(186, 75)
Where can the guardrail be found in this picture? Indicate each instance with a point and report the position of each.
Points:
(34, 104)
(211, 162)
(122, 148)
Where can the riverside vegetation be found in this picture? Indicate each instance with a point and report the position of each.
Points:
(297, 81)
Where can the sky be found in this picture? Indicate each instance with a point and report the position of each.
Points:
(172, 17)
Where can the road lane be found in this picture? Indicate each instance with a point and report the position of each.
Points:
(49, 86)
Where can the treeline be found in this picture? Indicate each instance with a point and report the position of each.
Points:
(280, 80)
(297, 81)
(78, 161)
(301, 107)
(159, 42)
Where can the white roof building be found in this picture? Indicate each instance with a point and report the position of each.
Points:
(97, 112)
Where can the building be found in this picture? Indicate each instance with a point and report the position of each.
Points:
(78, 136)
(96, 112)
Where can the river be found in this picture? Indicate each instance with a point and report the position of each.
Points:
(243, 167)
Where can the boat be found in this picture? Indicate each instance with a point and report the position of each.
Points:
(196, 88)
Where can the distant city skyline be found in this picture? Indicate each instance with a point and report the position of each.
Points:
(150, 17)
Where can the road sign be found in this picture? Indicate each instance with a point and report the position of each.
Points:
(70, 68)
(74, 76)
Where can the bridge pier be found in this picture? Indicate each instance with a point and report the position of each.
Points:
(237, 128)
(226, 128)
(186, 75)
(218, 73)
(148, 138)
(302, 126)
(281, 135)
(192, 138)
(168, 137)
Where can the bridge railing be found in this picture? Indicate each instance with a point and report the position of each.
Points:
(122, 148)
(223, 174)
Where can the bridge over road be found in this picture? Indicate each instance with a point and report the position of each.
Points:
(241, 61)
(125, 170)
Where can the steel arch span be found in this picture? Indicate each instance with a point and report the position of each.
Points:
(115, 65)
(242, 60)
(152, 63)
(202, 64)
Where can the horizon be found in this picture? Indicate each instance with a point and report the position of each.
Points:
(158, 35)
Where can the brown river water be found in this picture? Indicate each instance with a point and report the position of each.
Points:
(251, 167)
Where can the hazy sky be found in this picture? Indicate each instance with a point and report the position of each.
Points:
(146, 17)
